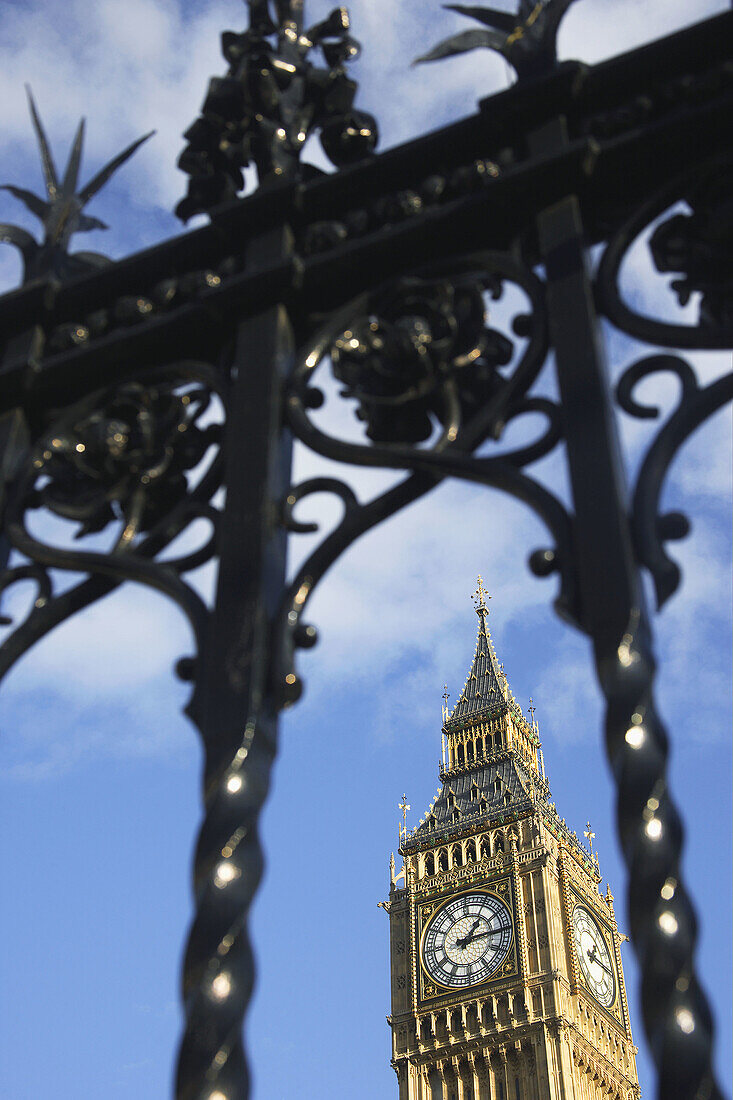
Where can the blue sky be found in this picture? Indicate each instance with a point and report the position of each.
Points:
(100, 770)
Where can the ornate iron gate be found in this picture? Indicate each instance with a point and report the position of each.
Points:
(380, 271)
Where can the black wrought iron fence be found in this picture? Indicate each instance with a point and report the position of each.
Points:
(377, 273)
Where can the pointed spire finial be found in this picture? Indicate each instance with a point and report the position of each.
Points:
(532, 710)
(404, 806)
(590, 835)
(480, 597)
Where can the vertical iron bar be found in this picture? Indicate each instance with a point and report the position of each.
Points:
(13, 441)
(607, 578)
(677, 1018)
(233, 703)
(14, 430)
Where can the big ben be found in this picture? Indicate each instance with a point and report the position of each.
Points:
(506, 972)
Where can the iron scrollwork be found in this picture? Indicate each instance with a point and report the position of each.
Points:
(118, 461)
(424, 367)
(695, 405)
(696, 244)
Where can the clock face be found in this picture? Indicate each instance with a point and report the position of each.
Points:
(467, 940)
(593, 957)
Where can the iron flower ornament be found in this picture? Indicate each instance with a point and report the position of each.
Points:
(62, 211)
(273, 97)
(527, 40)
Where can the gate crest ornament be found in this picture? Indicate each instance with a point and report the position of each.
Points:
(270, 102)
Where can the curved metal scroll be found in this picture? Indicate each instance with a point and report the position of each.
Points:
(694, 407)
(118, 458)
(401, 390)
(696, 244)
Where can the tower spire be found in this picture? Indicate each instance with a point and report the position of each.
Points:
(486, 684)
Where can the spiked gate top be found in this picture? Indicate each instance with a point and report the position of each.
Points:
(62, 211)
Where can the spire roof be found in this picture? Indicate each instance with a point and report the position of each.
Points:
(486, 685)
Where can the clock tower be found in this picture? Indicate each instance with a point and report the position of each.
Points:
(506, 970)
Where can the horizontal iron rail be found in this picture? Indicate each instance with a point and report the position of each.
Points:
(630, 165)
(585, 95)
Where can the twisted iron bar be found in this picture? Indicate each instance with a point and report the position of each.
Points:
(676, 1013)
(677, 1017)
(217, 982)
(235, 710)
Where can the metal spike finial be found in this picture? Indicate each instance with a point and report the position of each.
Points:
(526, 39)
(62, 212)
(50, 174)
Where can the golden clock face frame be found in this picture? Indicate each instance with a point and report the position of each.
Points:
(594, 957)
(444, 916)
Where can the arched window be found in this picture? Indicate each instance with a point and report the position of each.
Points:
(460, 754)
(457, 856)
(430, 864)
(485, 846)
(469, 751)
(443, 859)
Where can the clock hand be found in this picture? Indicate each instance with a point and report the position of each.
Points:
(595, 958)
(483, 935)
(467, 939)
